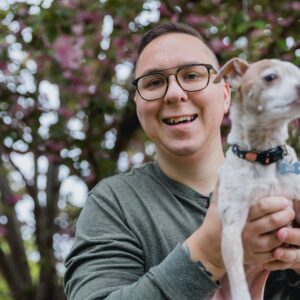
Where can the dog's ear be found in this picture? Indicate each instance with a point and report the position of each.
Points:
(233, 71)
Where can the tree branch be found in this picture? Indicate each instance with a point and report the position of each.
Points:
(11, 275)
(13, 236)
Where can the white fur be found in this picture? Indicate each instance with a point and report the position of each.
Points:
(260, 115)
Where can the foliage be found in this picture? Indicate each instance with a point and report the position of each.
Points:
(85, 52)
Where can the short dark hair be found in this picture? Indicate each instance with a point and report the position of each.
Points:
(166, 28)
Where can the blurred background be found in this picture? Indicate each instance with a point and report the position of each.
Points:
(67, 117)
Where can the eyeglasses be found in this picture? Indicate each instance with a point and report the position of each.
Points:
(191, 78)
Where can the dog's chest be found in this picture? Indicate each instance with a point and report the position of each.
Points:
(251, 181)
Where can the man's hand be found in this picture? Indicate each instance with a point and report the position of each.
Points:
(263, 237)
(288, 255)
(260, 235)
(205, 243)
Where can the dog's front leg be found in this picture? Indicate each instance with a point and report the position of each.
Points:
(234, 219)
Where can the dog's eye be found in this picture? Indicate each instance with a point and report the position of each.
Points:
(270, 77)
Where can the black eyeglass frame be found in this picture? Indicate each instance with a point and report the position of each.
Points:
(208, 67)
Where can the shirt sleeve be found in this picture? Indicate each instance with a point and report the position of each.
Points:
(107, 262)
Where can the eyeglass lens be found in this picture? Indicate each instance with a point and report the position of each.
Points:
(190, 78)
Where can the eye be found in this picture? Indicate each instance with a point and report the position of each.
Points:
(191, 76)
(270, 77)
(152, 82)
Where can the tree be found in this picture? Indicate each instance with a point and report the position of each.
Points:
(85, 52)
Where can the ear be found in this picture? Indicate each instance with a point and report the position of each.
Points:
(234, 71)
(227, 98)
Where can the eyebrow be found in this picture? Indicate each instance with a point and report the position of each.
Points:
(158, 70)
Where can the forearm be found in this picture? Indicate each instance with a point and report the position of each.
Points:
(177, 277)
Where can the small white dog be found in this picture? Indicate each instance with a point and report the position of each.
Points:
(267, 99)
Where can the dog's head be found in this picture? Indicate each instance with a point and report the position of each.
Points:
(269, 87)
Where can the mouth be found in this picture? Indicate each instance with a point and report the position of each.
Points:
(295, 102)
(180, 120)
(292, 103)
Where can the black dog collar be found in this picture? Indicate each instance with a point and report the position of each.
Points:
(264, 157)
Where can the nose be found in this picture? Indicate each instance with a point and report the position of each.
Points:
(174, 92)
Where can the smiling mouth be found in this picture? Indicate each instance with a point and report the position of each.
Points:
(180, 120)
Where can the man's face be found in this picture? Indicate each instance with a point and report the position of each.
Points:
(203, 109)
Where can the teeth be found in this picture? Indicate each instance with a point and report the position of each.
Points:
(183, 119)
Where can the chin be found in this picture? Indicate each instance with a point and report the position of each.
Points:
(185, 151)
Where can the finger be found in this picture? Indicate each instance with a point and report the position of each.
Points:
(287, 255)
(266, 242)
(278, 265)
(273, 221)
(266, 206)
(289, 235)
(285, 258)
(260, 258)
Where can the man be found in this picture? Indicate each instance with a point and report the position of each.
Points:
(142, 235)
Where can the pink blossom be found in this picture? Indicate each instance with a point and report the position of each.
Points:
(3, 65)
(216, 2)
(79, 88)
(69, 3)
(285, 22)
(55, 146)
(218, 45)
(135, 39)
(287, 56)
(195, 19)
(295, 5)
(269, 15)
(88, 16)
(77, 29)
(296, 123)
(90, 178)
(3, 231)
(163, 9)
(84, 102)
(226, 121)
(68, 51)
(256, 33)
(22, 12)
(67, 74)
(66, 113)
(53, 158)
(90, 53)
(174, 18)
(13, 199)
(223, 140)
(119, 42)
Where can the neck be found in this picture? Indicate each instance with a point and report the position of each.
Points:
(199, 172)
(256, 133)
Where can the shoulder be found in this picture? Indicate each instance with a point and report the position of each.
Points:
(134, 178)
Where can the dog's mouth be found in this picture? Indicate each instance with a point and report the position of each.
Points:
(292, 103)
(295, 102)
(180, 120)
